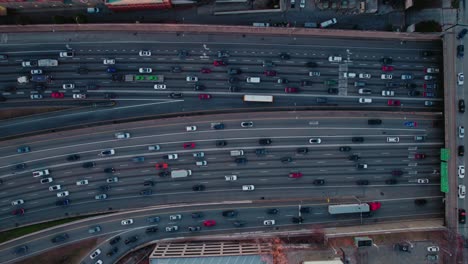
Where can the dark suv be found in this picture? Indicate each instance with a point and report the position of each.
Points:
(264, 141)
(230, 213)
(89, 164)
(131, 240)
(374, 122)
(461, 151)
(318, 182)
(302, 150)
(461, 106)
(357, 139)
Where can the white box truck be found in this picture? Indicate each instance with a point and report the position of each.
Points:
(180, 173)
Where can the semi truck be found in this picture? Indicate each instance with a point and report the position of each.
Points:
(180, 173)
(353, 208)
(144, 78)
(258, 98)
(40, 63)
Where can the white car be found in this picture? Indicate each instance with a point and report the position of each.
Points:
(68, 86)
(432, 70)
(191, 128)
(428, 77)
(433, 249)
(79, 96)
(102, 196)
(172, 156)
(107, 152)
(314, 73)
(269, 222)
(145, 70)
(55, 187)
(144, 53)
(46, 180)
(122, 135)
(248, 187)
(302, 4)
(36, 96)
(171, 228)
(423, 180)
(460, 78)
(335, 59)
(154, 148)
(126, 222)
(461, 131)
(364, 76)
(191, 78)
(393, 139)
(407, 76)
(365, 100)
(95, 253)
(315, 141)
(63, 194)
(66, 54)
(160, 86)
(17, 202)
(386, 76)
(112, 179)
(328, 23)
(99, 262)
(349, 75)
(388, 93)
(41, 173)
(109, 61)
(461, 191)
(201, 163)
(82, 182)
(461, 171)
(36, 71)
(175, 217)
(230, 178)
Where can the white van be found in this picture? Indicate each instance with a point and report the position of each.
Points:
(261, 24)
(235, 153)
(92, 10)
(365, 100)
(248, 187)
(328, 23)
(253, 79)
(393, 139)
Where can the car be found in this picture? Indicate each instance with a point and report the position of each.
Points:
(357, 139)
(36, 96)
(217, 126)
(40, 173)
(365, 100)
(314, 74)
(101, 196)
(393, 102)
(344, 149)
(59, 238)
(18, 212)
(68, 86)
(269, 73)
(154, 148)
(189, 145)
(386, 60)
(112, 179)
(153, 219)
(160, 86)
(411, 124)
(461, 171)
(190, 128)
(304, 210)
(126, 222)
(183, 53)
(461, 216)
(230, 177)
(295, 175)
(229, 213)
(63, 194)
(175, 95)
(94, 229)
(144, 53)
(109, 170)
(297, 220)
(419, 138)
(433, 249)
(414, 93)
(419, 156)
(205, 70)
(318, 182)
(148, 183)
(462, 33)
(209, 223)
(264, 141)
(241, 160)
(17, 202)
(79, 96)
(46, 180)
(82, 182)
(171, 156)
(422, 180)
(223, 54)
(95, 253)
(131, 239)
(430, 86)
(286, 159)
(386, 68)
(107, 152)
(64, 202)
(461, 151)
(429, 94)
(364, 91)
(407, 76)
(114, 240)
(57, 95)
(260, 152)
(391, 181)
(315, 140)
(431, 70)
(291, 90)
(175, 217)
(269, 222)
(198, 187)
(247, 124)
(197, 215)
(460, 51)
(461, 131)
(109, 61)
(428, 103)
(388, 93)
(460, 78)
(386, 76)
(172, 228)
(361, 166)
(146, 192)
(198, 154)
(204, 96)
(333, 90)
(66, 54)
(428, 77)
(36, 71)
(194, 228)
(219, 63)
(234, 71)
(461, 191)
(55, 188)
(111, 252)
(461, 106)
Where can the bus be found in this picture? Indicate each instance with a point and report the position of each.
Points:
(258, 98)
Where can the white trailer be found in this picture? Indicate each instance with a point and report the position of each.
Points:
(258, 98)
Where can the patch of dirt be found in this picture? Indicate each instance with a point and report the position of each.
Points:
(64, 255)
(17, 112)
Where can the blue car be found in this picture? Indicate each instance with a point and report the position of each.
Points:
(410, 124)
(111, 70)
(23, 149)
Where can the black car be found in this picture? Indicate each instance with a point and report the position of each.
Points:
(152, 229)
(362, 182)
(146, 192)
(63, 202)
(283, 81)
(73, 157)
(197, 215)
(403, 247)
(198, 187)
(285, 56)
(233, 80)
(461, 106)
(110, 95)
(318, 182)
(286, 159)
(89, 164)
(240, 160)
(414, 93)
(148, 183)
(410, 86)
(198, 87)
(333, 90)
(357, 139)
(461, 151)
(306, 83)
(462, 33)
(233, 89)
(82, 70)
(112, 251)
(218, 126)
(20, 166)
(354, 157)
(264, 141)
(297, 220)
(239, 223)
(302, 150)
(176, 69)
(60, 238)
(118, 77)
(131, 240)
(104, 188)
(234, 71)
(311, 64)
(460, 51)
(272, 211)
(345, 149)
(221, 143)
(115, 240)
(175, 95)
(109, 170)
(229, 213)
(21, 250)
(391, 181)
(164, 174)
(420, 201)
(387, 61)
(261, 152)
(305, 210)
(374, 122)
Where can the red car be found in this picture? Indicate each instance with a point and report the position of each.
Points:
(394, 102)
(461, 216)
(209, 223)
(189, 145)
(57, 95)
(295, 175)
(270, 73)
(291, 90)
(19, 211)
(419, 156)
(386, 68)
(219, 63)
(205, 70)
(162, 166)
(204, 96)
